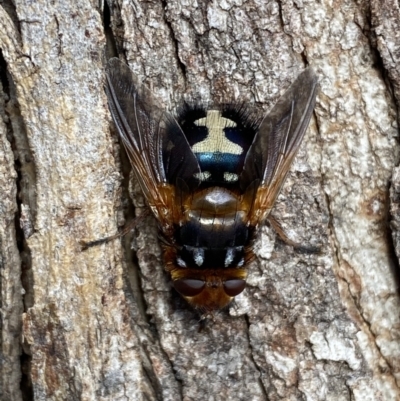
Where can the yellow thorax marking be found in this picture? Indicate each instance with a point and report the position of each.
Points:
(216, 140)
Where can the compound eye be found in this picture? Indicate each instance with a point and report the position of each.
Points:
(234, 287)
(189, 287)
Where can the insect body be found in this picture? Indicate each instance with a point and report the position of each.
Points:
(210, 176)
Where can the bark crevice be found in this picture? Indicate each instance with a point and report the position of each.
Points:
(16, 135)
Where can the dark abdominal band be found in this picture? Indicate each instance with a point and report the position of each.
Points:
(218, 163)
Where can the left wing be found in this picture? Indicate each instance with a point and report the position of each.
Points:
(276, 144)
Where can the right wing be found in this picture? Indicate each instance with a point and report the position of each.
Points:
(157, 148)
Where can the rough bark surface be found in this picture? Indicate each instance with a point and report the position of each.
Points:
(96, 325)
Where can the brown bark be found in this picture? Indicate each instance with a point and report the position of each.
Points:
(95, 325)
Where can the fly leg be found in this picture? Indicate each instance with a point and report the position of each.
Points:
(130, 226)
(298, 246)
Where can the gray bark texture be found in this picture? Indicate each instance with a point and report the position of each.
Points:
(104, 324)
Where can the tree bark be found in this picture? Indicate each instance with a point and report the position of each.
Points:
(104, 324)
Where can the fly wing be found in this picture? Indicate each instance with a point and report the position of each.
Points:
(277, 141)
(156, 146)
